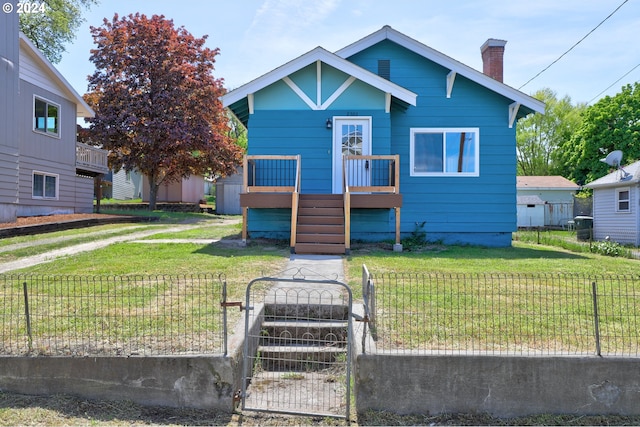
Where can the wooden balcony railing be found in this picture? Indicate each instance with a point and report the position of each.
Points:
(90, 159)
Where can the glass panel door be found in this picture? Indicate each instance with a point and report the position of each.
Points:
(351, 137)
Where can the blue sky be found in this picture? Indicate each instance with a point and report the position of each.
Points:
(256, 36)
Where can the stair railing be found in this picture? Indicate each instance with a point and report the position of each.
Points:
(295, 197)
(369, 174)
(346, 194)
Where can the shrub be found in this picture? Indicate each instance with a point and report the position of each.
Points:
(609, 248)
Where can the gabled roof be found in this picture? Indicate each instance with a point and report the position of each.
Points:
(388, 33)
(83, 109)
(320, 54)
(624, 176)
(545, 183)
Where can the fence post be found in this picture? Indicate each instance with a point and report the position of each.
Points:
(224, 314)
(27, 315)
(596, 320)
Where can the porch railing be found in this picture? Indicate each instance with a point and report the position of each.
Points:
(372, 174)
(272, 174)
(91, 159)
(369, 174)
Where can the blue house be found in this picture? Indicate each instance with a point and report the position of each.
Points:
(378, 140)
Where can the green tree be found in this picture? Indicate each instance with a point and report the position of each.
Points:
(157, 103)
(56, 25)
(613, 123)
(538, 136)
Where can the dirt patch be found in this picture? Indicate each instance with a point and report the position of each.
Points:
(52, 219)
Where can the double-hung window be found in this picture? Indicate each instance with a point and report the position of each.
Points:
(46, 117)
(45, 186)
(622, 200)
(445, 152)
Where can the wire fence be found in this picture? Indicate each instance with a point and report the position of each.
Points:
(522, 314)
(110, 315)
(493, 313)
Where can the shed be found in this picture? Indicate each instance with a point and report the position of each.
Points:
(531, 211)
(228, 191)
(556, 192)
(616, 212)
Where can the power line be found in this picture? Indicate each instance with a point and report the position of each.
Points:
(576, 44)
(611, 85)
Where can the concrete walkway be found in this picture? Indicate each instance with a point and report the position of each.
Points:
(315, 267)
(310, 267)
(98, 243)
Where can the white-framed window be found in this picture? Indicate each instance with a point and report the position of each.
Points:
(445, 151)
(622, 200)
(45, 185)
(46, 117)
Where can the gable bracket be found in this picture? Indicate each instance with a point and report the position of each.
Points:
(513, 113)
(300, 93)
(451, 77)
(338, 92)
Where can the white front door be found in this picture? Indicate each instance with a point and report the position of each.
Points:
(351, 136)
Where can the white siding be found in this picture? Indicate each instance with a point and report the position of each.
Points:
(124, 189)
(529, 215)
(621, 227)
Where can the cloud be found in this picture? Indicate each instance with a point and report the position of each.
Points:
(284, 17)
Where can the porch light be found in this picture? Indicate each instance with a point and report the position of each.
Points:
(329, 124)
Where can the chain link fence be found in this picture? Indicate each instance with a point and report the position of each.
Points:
(506, 313)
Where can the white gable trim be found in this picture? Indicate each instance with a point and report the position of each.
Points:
(83, 109)
(388, 33)
(322, 55)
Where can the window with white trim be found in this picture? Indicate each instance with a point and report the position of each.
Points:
(46, 117)
(45, 186)
(622, 200)
(445, 151)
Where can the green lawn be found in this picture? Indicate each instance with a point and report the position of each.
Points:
(464, 307)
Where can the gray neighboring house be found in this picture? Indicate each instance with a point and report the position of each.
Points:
(616, 210)
(126, 185)
(556, 194)
(44, 170)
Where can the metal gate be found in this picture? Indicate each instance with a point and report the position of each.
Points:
(297, 356)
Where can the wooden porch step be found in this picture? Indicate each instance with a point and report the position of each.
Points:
(319, 238)
(312, 227)
(320, 226)
(321, 211)
(321, 220)
(322, 202)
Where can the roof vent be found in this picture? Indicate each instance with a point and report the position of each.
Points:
(384, 68)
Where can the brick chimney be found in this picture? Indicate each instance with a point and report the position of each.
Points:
(492, 58)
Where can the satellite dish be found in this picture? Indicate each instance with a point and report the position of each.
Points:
(613, 159)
